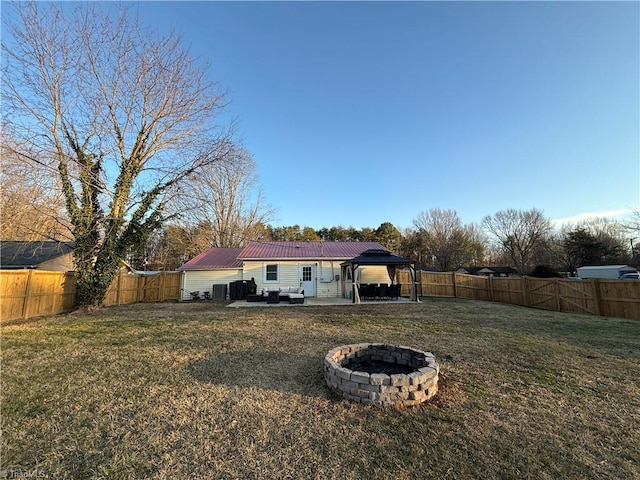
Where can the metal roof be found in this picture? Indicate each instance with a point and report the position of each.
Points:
(214, 258)
(606, 267)
(307, 250)
(378, 257)
(476, 270)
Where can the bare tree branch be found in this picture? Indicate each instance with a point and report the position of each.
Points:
(518, 232)
(223, 197)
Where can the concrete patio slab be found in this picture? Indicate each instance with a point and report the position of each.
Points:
(315, 302)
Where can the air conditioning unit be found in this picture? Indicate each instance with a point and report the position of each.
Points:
(220, 291)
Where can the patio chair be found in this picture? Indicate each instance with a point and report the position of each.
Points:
(394, 291)
(372, 291)
(362, 289)
(383, 293)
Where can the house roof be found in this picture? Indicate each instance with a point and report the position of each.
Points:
(476, 270)
(502, 269)
(31, 254)
(306, 250)
(606, 267)
(215, 258)
(378, 257)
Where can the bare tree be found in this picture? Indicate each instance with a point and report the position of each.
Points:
(632, 227)
(632, 223)
(518, 233)
(224, 200)
(167, 249)
(476, 245)
(448, 242)
(126, 114)
(32, 204)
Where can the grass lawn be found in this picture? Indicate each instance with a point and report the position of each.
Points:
(170, 391)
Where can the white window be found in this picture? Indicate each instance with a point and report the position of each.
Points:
(306, 274)
(271, 273)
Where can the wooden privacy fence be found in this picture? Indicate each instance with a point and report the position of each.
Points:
(611, 298)
(33, 293)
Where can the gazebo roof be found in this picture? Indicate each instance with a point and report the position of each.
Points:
(378, 257)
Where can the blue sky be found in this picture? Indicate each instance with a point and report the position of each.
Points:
(359, 113)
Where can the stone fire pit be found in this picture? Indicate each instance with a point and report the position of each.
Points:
(382, 375)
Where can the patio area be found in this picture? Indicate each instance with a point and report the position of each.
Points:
(317, 302)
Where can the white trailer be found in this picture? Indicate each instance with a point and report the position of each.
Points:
(605, 271)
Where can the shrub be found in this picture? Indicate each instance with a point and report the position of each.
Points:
(544, 271)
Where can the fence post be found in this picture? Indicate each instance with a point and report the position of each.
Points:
(557, 291)
(163, 281)
(118, 286)
(596, 296)
(455, 286)
(491, 297)
(525, 291)
(27, 295)
(139, 288)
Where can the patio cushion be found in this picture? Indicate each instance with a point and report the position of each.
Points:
(285, 291)
(296, 298)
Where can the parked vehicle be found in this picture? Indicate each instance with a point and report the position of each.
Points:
(608, 271)
(634, 276)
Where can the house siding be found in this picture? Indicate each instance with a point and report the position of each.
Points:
(374, 274)
(203, 280)
(289, 275)
(63, 263)
(329, 268)
(370, 274)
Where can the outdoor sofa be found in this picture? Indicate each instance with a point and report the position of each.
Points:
(279, 294)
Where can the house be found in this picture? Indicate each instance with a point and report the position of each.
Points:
(315, 266)
(216, 266)
(488, 271)
(52, 256)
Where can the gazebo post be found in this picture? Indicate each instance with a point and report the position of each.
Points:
(356, 291)
(414, 285)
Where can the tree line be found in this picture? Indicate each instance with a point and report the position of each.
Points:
(437, 240)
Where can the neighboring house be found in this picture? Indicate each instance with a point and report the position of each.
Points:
(488, 271)
(52, 256)
(49, 256)
(315, 266)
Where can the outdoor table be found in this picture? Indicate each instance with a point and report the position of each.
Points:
(273, 297)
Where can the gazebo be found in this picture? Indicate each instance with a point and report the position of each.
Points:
(379, 258)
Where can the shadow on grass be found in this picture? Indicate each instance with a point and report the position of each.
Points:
(294, 374)
(284, 372)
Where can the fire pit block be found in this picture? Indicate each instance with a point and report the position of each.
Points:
(382, 375)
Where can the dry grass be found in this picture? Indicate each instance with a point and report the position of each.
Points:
(171, 391)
